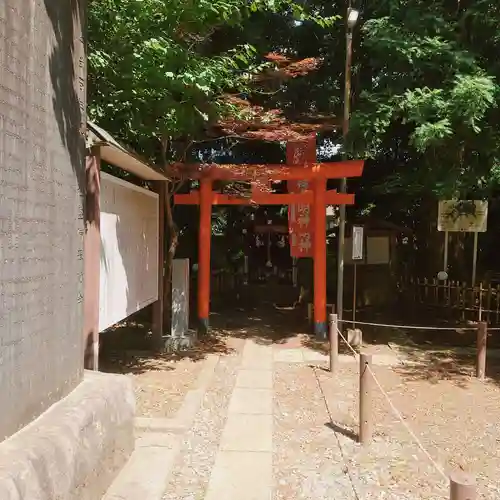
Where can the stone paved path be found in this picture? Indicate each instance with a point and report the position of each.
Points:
(220, 445)
(243, 465)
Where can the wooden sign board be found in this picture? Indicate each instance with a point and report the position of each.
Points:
(299, 215)
(463, 216)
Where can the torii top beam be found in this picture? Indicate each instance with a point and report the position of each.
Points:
(337, 170)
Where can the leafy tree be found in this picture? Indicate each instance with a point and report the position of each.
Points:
(425, 94)
(425, 88)
(428, 83)
(157, 80)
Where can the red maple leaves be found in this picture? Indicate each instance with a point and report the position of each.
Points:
(253, 121)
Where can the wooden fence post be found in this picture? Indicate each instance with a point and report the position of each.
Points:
(462, 486)
(334, 343)
(365, 399)
(482, 335)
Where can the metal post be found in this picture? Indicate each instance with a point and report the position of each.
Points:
(365, 399)
(343, 181)
(462, 486)
(445, 258)
(474, 259)
(334, 343)
(310, 312)
(482, 335)
(480, 302)
(354, 292)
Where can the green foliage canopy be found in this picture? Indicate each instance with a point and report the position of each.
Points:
(154, 72)
(430, 80)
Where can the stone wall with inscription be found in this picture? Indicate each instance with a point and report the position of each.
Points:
(42, 104)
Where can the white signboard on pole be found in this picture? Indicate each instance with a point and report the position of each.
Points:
(357, 243)
(463, 216)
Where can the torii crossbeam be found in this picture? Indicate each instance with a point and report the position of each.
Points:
(317, 198)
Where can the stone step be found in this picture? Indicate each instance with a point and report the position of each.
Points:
(146, 474)
(158, 443)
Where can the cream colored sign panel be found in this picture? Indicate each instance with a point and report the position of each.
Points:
(463, 216)
(129, 250)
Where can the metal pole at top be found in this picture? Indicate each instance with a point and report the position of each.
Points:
(343, 181)
(474, 259)
(445, 257)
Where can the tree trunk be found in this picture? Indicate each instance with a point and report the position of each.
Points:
(172, 242)
(172, 234)
(172, 238)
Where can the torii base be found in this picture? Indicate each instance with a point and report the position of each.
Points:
(320, 330)
(203, 326)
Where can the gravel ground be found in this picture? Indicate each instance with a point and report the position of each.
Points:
(456, 419)
(316, 454)
(161, 382)
(191, 473)
(307, 460)
(160, 390)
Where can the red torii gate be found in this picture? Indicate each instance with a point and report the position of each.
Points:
(316, 173)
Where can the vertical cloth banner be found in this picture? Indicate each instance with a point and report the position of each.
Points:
(300, 226)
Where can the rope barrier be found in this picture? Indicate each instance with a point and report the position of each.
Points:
(397, 412)
(416, 327)
(411, 327)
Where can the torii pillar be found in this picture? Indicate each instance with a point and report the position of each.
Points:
(319, 249)
(205, 237)
(317, 211)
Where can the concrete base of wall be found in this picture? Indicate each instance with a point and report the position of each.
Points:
(75, 449)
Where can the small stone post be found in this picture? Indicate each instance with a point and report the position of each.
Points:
(462, 486)
(365, 400)
(482, 335)
(334, 343)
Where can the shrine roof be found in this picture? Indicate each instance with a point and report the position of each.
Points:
(118, 155)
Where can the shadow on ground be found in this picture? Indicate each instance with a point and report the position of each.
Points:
(435, 364)
(266, 324)
(126, 348)
(430, 355)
